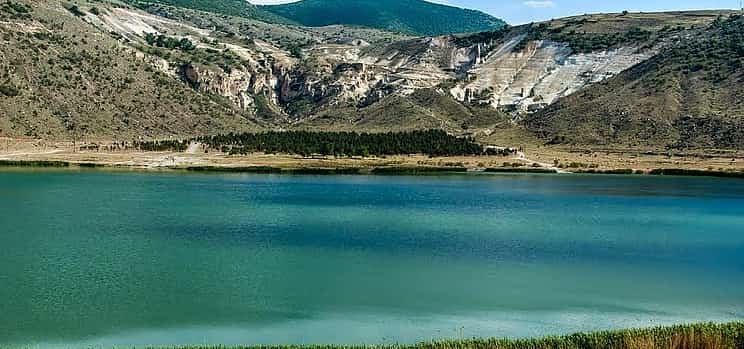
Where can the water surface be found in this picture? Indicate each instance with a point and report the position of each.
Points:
(105, 259)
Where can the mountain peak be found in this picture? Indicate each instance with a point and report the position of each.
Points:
(407, 16)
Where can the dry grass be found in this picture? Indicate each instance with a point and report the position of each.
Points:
(569, 159)
(638, 159)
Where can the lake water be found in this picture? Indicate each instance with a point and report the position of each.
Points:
(106, 259)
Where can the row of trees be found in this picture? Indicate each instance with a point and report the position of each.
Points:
(169, 42)
(430, 142)
(162, 145)
(307, 143)
(732, 34)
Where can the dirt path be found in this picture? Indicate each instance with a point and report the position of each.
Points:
(30, 153)
(523, 158)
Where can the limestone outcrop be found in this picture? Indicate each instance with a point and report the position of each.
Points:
(485, 69)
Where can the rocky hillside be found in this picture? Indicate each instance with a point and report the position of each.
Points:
(149, 69)
(60, 77)
(416, 17)
(690, 94)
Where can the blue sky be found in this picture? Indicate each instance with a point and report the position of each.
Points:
(525, 11)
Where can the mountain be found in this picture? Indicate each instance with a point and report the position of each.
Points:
(240, 8)
(690, 94)
(416, 17)
(113, 70)
(60, 77)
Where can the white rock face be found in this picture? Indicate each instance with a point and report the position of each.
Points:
(541, 73)
(356, 73)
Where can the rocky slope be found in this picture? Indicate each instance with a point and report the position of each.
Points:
(62, 78)
(165, 70)
(689, 95)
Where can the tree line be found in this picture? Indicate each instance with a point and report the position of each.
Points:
(179, 146)
(169, 42)
(340, 144)
(306, 143)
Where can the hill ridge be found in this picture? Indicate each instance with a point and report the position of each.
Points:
(408, 16)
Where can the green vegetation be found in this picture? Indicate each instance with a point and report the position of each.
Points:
(584, 42)
(323, 171)
(730, 336)
(688, 96)
(696, 173)
(481, 37)
(16, 10)
(306, 143)
(239, 8)
(75, 10)
(33, 163)
(519, 170)
(407, 16)
(71, 80)
(249, 169)
(621, 171)
(417, 170)
(431, 142)
(162, 145)
(90, 165)
(384, 171)
(718, 56)
(9, 91)
(696, 336)
(169, 42)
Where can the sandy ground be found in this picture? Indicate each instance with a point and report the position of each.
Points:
(612, 159)
(562, 159)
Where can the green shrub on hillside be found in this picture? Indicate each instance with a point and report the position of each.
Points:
(16, 10)
(238, 8)
(9, 90)
(169, 42)
(75, 10)
(584, 42)
(407, 16)
(482, 37)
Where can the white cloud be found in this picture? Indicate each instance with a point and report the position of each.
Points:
(539, 3)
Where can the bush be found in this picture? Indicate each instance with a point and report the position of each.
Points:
(16, 9)
(9, 91)
(168, 42)
(75, 10)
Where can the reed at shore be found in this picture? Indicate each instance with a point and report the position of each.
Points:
(694, 336)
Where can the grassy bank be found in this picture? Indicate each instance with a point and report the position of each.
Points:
(697, 173)
(330, 171)
(406, 171)
(275, 170)
(34, 163)
(519, 170)
(703, 336)
(697, 336)
(354, 167)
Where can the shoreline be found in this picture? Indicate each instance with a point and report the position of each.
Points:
(24, 153)
(374, 170)
(725, 335)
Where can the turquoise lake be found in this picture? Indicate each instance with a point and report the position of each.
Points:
(104, 259)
